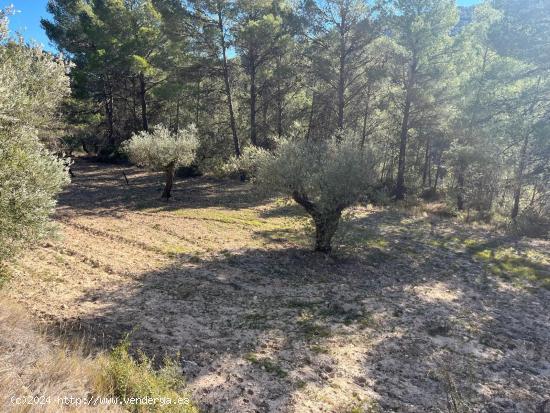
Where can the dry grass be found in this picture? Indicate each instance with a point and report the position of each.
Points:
(226, 283)
(32, 366)
(38, 374)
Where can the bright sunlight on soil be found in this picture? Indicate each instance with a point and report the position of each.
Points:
(418, 313)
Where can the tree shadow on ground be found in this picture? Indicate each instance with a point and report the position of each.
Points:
(404, 316)
(480, 342)
(235, 321)
(256, 330)
(97, 189)
(471, 344)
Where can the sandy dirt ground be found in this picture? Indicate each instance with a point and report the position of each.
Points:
(417, 313)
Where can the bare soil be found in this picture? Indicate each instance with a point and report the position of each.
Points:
(416, 313)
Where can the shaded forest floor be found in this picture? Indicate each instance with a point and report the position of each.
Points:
(416, 314)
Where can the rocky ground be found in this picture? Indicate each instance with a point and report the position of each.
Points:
(414, 312)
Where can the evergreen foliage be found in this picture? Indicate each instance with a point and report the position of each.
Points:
(33, 85)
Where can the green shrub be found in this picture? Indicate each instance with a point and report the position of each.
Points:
(245, 165)
(531, 223)
(124, 377)
(30, 179)
(380, 196)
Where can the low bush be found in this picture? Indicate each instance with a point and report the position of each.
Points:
(125, 377)
(531, 223)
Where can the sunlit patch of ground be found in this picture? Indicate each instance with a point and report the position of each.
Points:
(525, 267)
(406, 316)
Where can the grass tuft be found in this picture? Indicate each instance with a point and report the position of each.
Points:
(314, 330)
(125, 377)
(4, 275)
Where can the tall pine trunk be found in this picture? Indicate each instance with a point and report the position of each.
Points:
(342, 77)
(143, 101)
(366, 115)
(522, 161)
(110, 117)
(437, 174)
(177, 122)
(310, 118)
(426, 168)
(198, 103)
(279, 101)
(519, 176)
(253, 100)
(400, 188)
(461, 170)
(135, 119)
(460, 189)
(232, 122)
(400, 183)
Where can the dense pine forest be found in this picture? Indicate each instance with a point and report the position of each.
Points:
(276, 206)
(453, 102)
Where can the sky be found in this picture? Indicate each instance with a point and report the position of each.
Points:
(27, 19)
(29, 12)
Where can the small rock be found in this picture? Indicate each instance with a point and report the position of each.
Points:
(361, 381)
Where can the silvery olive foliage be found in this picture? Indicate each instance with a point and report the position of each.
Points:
(332, 174)
(160, 149)
(30, 179)
(32, 87)
(323, 177)
(33, 84)
(245, 165)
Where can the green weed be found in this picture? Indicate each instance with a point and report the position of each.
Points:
(509, 265)
(124, 377)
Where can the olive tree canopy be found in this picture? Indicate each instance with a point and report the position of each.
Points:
(323, 177)
(33, 85)
(163, 150)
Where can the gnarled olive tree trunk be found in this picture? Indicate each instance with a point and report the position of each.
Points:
(325, 228)
(326, 222)
(170, 172)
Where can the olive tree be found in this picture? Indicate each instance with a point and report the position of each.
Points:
(323, 177)
(30, 179)
(163, 151)
(33, 85)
